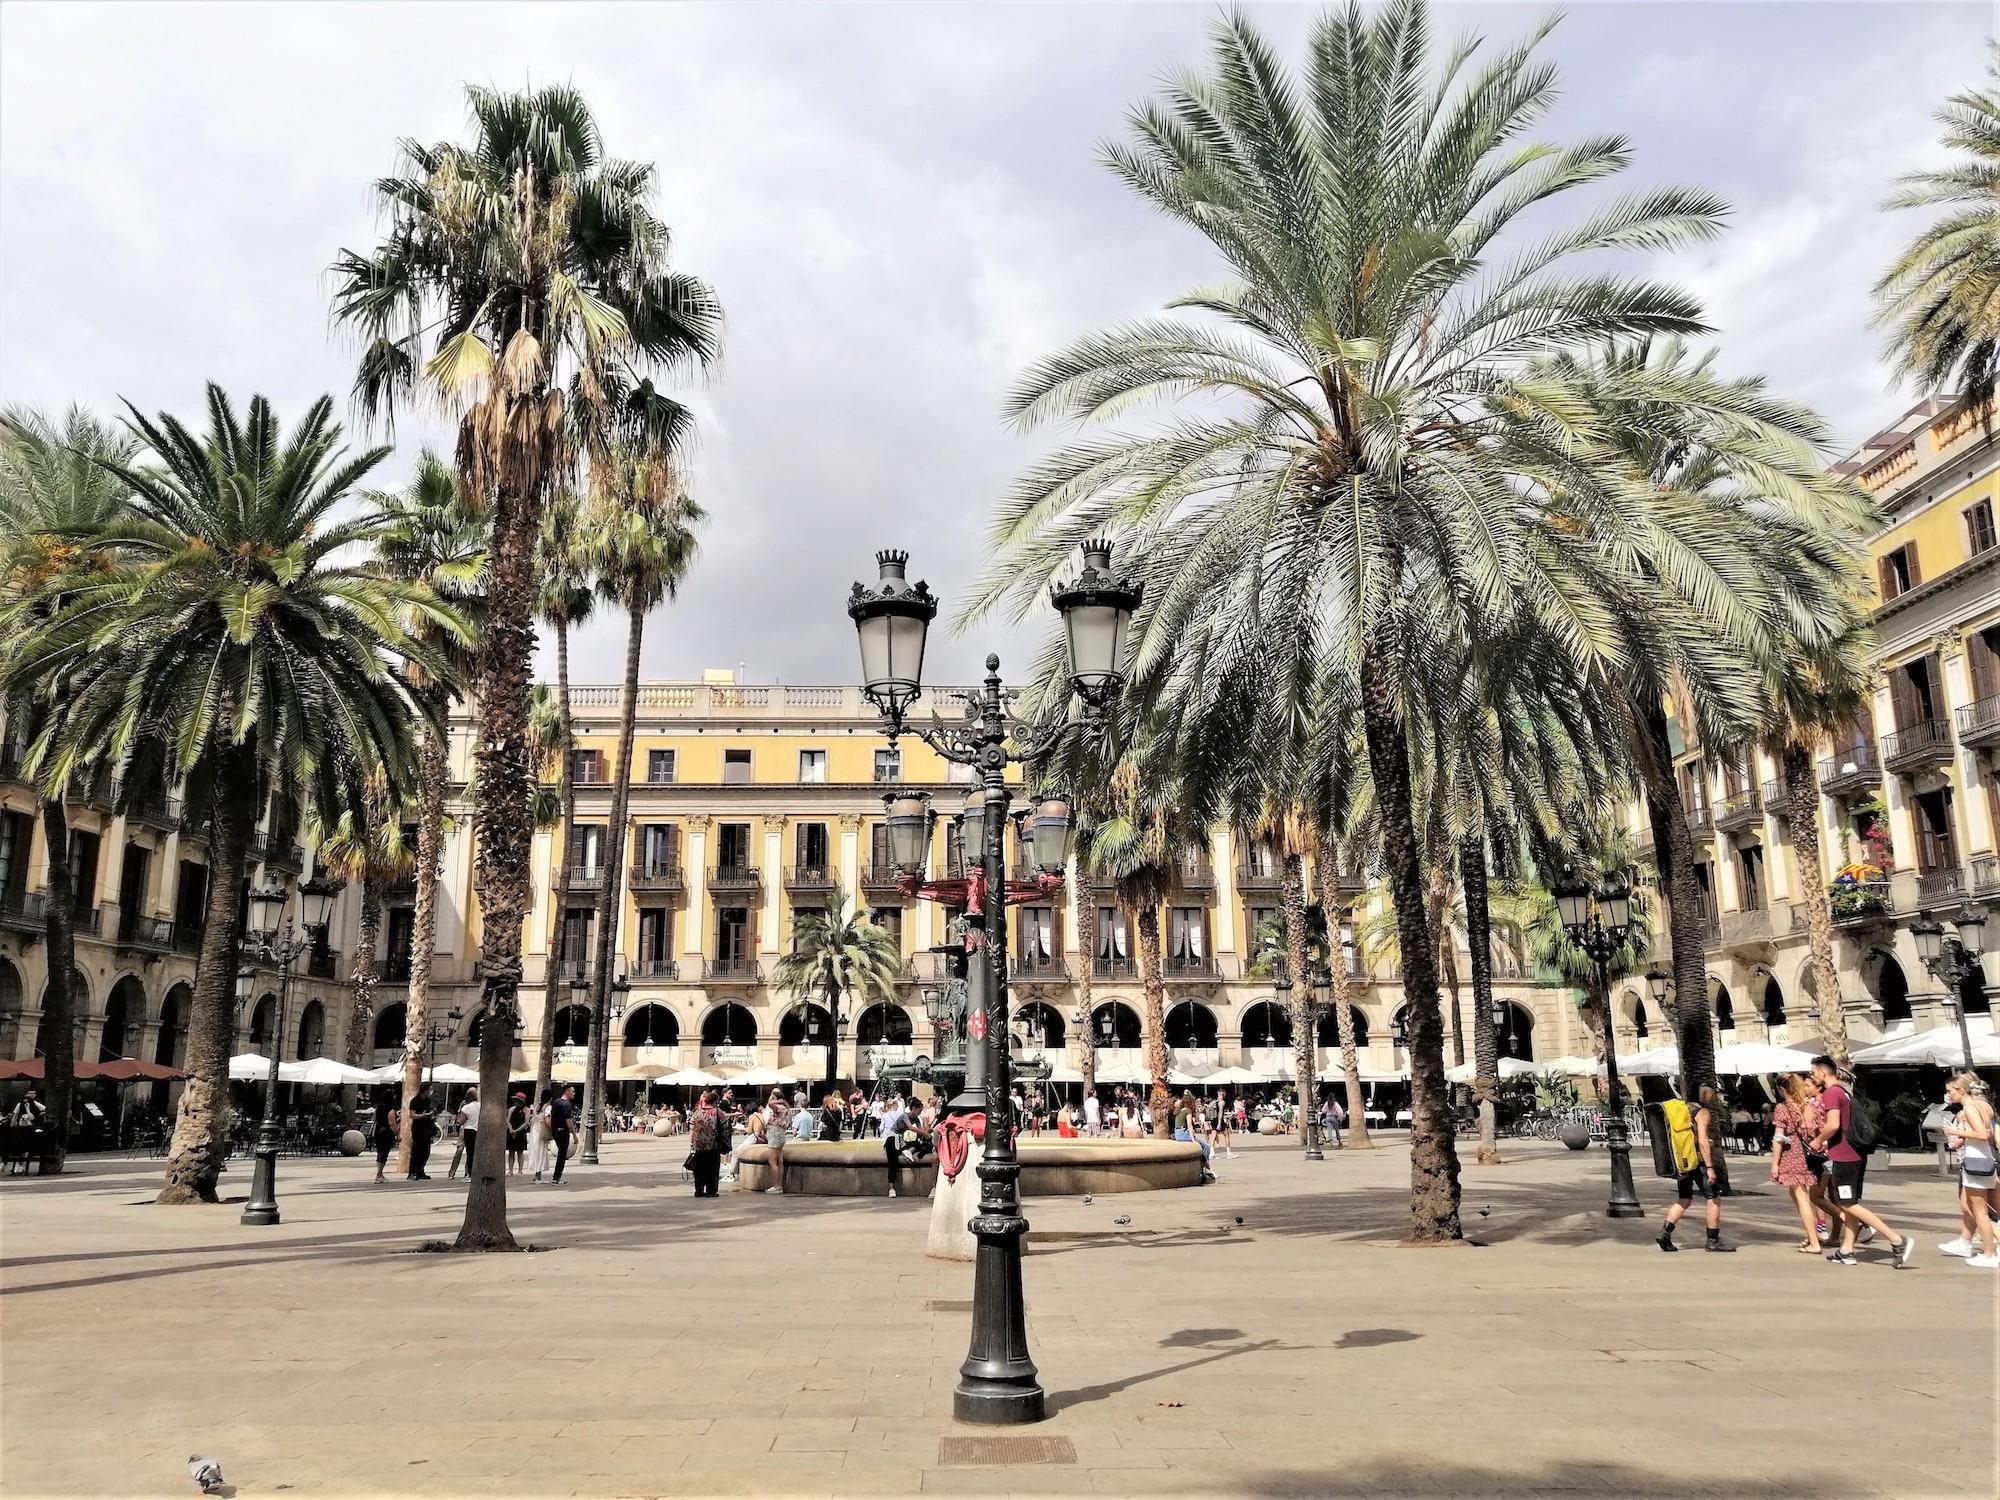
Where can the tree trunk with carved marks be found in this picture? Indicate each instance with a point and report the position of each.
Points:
(1337, 918)
(1802, 825)
(1154, 986)
(1485, 1045)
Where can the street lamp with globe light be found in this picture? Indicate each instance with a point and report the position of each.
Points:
(1953, 958)
(998, 1382)
(1597, 922)
(283, 949)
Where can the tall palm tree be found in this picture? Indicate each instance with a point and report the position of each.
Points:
(1367, 451)
(1940, 299)
(521, 279)
(838, 952)
(371, 854)
(434, 538)
(55, 494)
(234, 650)
(565, 598)
(640, 545)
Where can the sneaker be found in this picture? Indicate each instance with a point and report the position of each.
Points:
(1666, 1242)
(1843, 1258)
(1961, 1247)
(1718, 1245)
(892, 1192)
(1867, 1234)
(1905, 1248)
(1824, 1228)
(1984, 1262)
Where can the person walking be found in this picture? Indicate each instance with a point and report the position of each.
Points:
(707, 1134)
(1218, 1126)
(1794, 1124)
(468, 1136)
(423, 1130)
(562, 1116)
(1694, 1165)
(892, 1137)
(1969, 1130)
(1846, 1168)
(517, 1134)
(777, 1132)
(541, 1139)
(1093, 1113)
(832, 1115)
(388, 1127)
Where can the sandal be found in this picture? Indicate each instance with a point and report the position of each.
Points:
(1804, 1249)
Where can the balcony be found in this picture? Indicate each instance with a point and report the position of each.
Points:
(732, 971)
(1738, 811)
(657, 876)
(814, 879)
(323, 963)
(1945, 884)
(1192, 969)
(10, 762)
(86, 921)
(1985, 872)
(1774, 795)
(1856, 905)
(154, 810)
(1194, 874)
(1700, 819)
(584, 878)
(24, 911)
(396, 968)
(290, 857)
(1111, 966)
(743, 878)
(187, 937)
(1854, 769)
(1350, 885)
(1259, 875)
(136, 930)
(1918, 747)
(1711, 930)
(1979, 721)
(656, 969)
(1037, 966)
(880, 880)
(193, 828)
(1745, 928)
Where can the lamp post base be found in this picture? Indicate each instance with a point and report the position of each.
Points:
(263, 1205)
(1624, 1202)
(998, 1384)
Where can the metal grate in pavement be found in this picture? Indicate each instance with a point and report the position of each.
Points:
(947, 1304)
(1004, 1452)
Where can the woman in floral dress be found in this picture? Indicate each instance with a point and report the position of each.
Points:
(1795, 1122)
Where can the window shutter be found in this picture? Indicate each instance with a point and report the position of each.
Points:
(1910, 560)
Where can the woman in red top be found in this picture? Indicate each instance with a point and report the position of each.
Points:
(1795, 1122)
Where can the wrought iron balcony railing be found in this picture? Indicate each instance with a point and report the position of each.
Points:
(1912, 748)
(735, 878)
(1853, 769)
(656, 875)
(1979, 721)
(803, 877)
(732, 970)
(1946, 883)
(656, 968)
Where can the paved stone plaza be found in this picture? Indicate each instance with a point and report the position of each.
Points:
(754, 1346)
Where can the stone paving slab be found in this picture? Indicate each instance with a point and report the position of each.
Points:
(1268, 1335)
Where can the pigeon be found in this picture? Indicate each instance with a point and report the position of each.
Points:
(1239, 1218)
(1122, 1219)
(1088, 1199)
(205, 1472)
(1485, 1211)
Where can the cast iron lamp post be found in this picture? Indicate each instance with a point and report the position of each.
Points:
(614, 1011)
(266, 909)
(1952, 959)
(1597, 923)
(1308, 1108)
(998, 1383)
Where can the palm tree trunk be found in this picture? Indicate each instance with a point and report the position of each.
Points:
(504, 810)
(552, 976)
(1086, 942)
(194, 1157)
(1802, 824)
(1433, 1154)
(610, 899)
(1439, 912)
(1485, 1046)
(59, 1008)
(833, 1036)
(1155, 988)
(1305, 1036)
(431, 770)
(367, 973)
(1673, 851)
(1357, 1138)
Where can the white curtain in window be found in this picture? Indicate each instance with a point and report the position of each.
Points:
(1119, 929)
(1045, 931)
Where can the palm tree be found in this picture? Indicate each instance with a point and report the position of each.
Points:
(1367, 452)
(433, 539)
(1940, 299)
(232, 649)
(368, 852)
(565, 598)
(523, 281)
(55, 493)
(835, 952)
(640, 545)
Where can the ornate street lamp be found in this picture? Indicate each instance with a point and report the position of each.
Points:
(1953, 958)
(998, 1383)
(908, 817)
(267, 906)
(1053, 833)
(1597, 922)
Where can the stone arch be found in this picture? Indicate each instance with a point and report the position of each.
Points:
(1515, 1036)
(1723, 1003)
(1329, 1026)
(1771, 1003)
(1191, 1024)
(805, 1024)
(1050, 1020)
(885, 1025)
(729, 1025)
(312, 1030)
(171, 1049)
(264, 1020)
(1892, 991)
(13, 1005)
(1267, 1024)
(391, 1026)
(652, 1026)
(571, 1027)
(79, 1000)
(124, 1011)
(1122, 1023)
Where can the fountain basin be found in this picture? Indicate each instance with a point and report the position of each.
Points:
(1050, 1167)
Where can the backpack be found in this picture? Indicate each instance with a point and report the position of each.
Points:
(1680, 1134)
(1860, 1131)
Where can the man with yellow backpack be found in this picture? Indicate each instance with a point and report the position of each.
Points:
(1689, 1134)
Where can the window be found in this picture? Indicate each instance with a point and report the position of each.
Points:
(586, 849)
(732, 845)
(1899, 572)
(659, 849)
(1750, 867)
(191, 899)
(1913, 692)
(402, 935)
(890, 920)
(812, 767)
(735, 766)
(811, 847)
(1979, 533)
(1694, 786)
(1036, 944)
(1114, 942)
(1187, 938)
(734, 942)
(1266, 929)
(656, 936)
(575, 942)
(888, 765)
(878, 850)
(660, 767)
(1982, 655)
(83, 869)
(586, 767)
(17, 833)
(1937, 836)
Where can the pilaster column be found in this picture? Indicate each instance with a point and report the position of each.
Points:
(850, 854)
(774, 884)
(697, 889)
(1225, 890)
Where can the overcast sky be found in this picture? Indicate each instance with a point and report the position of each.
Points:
(898, 206)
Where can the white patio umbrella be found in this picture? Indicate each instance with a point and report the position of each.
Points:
(638, 1073)
(1940, 1047)
(453, 1073)
(763, 1078)
(1508, 1067)
(1121, 1072)
(323, 1070)
(692, 1078)
(1654, 1062)
(1573, 1067)
(449, 1073)
(1235, 1075)
(1743, 1059)
(1063, 1073)
(1182, 1080)
(248, 1067)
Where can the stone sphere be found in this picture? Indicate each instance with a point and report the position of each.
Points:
(1575, 1135)
(663, 1128)
(352, 1143)
(1267, 1127)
